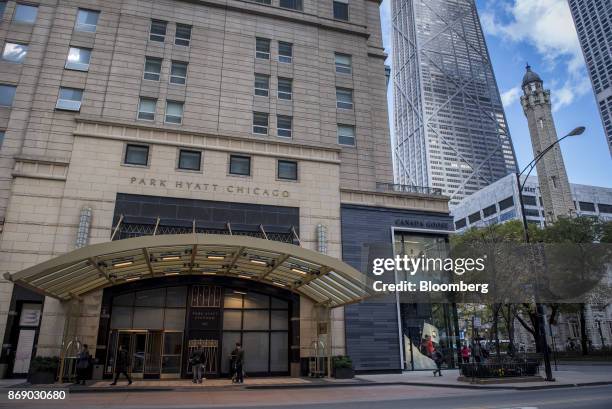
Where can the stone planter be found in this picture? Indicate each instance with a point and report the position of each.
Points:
(36, 378)
(344, 373)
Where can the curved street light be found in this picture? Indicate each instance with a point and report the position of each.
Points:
(539, 308)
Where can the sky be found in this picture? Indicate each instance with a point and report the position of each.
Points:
(542, 33)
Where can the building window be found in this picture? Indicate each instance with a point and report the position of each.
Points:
(285, 88)
(346, 135)
(262, 48)
(1, 132)
(146, 108)
(285, 52)
(262, 85)
(14, 52)
(78, 59)
(268, 2)
(178, 73)
(460, 224)
(287, 170)
(344, 98)
(69, 99)
(136, 155)
(283, 125)
(152, 70)
(341, 10)
(291, 4)
(240, 165)
(529, 200)
(506, 203)
(87, 20)
(183, 35)
(2, 8)
(605, 208)
(7, 95)
(174, 112)
(489, 211)
(25, 13)
(158, 30)
(343, 64)
(189, 160)
(260, 123)
(474, 217)
(587, 206)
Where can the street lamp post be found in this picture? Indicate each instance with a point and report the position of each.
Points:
(539, 307)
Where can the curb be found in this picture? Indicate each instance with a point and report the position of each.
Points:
(328, 385)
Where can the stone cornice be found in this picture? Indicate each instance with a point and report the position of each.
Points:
(97, 127)
(412, 201)
(287, 14)
(39, 167)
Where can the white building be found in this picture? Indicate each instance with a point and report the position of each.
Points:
(499, 202)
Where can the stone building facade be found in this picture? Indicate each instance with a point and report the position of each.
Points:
(132, 118)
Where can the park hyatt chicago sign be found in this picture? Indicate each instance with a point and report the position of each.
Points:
(208, 187)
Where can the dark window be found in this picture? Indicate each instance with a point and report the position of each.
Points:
(285, 52)
(183, 35)
(2, 7)
(263, 1)
(178, 73)
(460, 224)
(344, 63)
(262, 48)
(262, 85)
(341, 11)
(529, 200)
(287, 170)
(1, 132)
(152, 69)
(189, 160)
(506, 203)
(532, 213)
(474, 217)
(490, 210)
(87, 20)
(7, 94)
(240, 165)
(344, 98)
(291, 4)
(25, 13)
(137, 155)
(605, 208)
(158, 30)
(587, 206)
(260, 123)
(285, 88)
(284, 125)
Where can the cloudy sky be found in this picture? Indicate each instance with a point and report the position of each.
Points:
(542, 33)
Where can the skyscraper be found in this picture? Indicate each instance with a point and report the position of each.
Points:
(450, 126)
(593, 19)
(552, 177)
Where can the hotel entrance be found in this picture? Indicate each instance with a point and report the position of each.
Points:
(160, 327)
(152, 354)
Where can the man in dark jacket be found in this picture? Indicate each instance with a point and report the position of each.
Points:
(82, 364)
(237, 363)
(122, 365)
(197, 364)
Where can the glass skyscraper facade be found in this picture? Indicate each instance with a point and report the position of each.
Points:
(593, 20)
(450, 127)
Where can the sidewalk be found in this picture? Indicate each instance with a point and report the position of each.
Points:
(566, 376)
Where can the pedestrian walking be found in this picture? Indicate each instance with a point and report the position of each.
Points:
(439, 360)
(122, 366)
(465, 354)
(238, 364)
(477, 352)
(82, 365)
(197, 364)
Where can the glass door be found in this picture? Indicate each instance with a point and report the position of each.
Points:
(137, 352)
(153, 354)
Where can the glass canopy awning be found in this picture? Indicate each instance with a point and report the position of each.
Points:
(321, 278)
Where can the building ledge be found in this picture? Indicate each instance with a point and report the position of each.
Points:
(98, 127)
(396, 200)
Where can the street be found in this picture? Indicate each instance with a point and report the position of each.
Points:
(359, 397)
